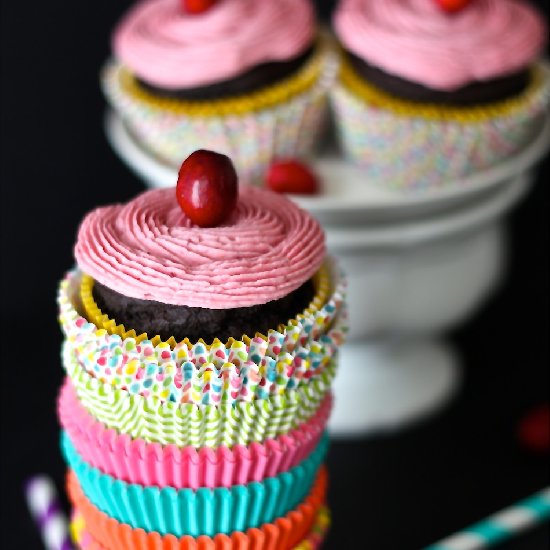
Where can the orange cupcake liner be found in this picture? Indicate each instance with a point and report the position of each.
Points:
(284, 534)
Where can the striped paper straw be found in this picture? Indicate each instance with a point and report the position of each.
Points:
(44, 506)
(501, 526)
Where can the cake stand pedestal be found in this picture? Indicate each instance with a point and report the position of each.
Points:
(404, 293)
(382, 385)
(417, 264)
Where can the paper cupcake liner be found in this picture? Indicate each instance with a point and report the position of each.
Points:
(240, 423)
(94, 530)
(411, 146)
(136, 461)
(313, 541)
(94, 315)
(202, 512)
(239, 371)
(282, 120)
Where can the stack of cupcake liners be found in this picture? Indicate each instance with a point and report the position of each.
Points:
(195, 445)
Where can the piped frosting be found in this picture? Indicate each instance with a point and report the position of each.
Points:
(171, 49)
(148, 249)
(418, 41)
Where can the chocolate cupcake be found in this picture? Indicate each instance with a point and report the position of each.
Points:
(195, 323)
(428, 95)
(249, 78)
(250, 275)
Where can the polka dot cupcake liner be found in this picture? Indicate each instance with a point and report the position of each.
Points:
(302, 529)
(204, 374)
(412, 147)
(181, 512)
(282, 120)
(136, 461)
(187, 424)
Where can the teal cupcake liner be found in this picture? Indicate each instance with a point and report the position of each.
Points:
(201, 512)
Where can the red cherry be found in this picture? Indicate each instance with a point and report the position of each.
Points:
(453, 6)
(534, 430)
(197, 6)
(207, 188)
(292, 176)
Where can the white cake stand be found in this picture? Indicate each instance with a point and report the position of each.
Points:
(408, 284)
(417, 265)
(347, 197)
(382, 386)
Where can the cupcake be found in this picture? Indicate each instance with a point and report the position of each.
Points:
(431, 91)
(202, 330)
(249, 78)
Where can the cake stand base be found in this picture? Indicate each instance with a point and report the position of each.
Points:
(382, 386)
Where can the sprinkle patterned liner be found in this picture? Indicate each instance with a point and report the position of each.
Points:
(202, 512)
(285, 533)
(201, 374)
(94, 315)
(187, 424)
(412, 146)
(280, 121)
(136, 461)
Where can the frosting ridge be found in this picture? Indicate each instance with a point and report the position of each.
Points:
(166, 47)
(148, 249)
(418, 41)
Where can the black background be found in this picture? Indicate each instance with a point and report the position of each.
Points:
(396, 492)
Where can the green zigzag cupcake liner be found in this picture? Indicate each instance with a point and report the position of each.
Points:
(202, 512)
(185, 424)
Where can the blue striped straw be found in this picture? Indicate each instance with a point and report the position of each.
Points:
(44, 506)
(501, 526)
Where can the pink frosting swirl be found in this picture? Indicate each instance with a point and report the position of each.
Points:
(148, 249)
(418, 41)
(171, 49)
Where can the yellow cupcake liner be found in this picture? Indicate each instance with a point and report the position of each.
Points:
(413, 147)
(376, 97)
(94, 314)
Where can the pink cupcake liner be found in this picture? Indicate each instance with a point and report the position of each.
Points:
(137, 461)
